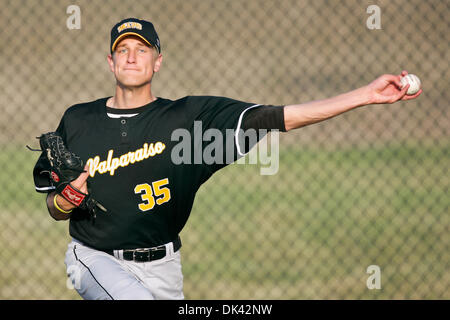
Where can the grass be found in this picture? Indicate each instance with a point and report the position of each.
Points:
(308, 232)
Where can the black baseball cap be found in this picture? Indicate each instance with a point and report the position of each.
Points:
(132, 26)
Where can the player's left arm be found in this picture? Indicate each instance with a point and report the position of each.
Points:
(385, 89)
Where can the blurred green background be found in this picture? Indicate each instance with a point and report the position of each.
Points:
(370, 187)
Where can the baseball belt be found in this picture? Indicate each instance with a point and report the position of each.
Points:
(145, 254)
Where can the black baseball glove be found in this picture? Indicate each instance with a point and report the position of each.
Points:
(65, 167)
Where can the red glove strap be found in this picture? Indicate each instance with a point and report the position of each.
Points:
(72, 195)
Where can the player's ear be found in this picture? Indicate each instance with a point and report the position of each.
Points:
(110, 59)
(158, 62)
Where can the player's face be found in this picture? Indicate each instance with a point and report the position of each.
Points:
(134, 62)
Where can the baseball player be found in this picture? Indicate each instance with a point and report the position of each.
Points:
(131, 250)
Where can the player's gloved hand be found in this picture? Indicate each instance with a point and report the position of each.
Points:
(65, 170)
(80, 184)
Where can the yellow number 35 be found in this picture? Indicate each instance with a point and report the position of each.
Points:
(157, 193)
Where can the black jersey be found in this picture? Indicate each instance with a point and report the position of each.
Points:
(146, 169)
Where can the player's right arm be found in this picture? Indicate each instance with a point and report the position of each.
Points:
(63, 208)
(385, 89)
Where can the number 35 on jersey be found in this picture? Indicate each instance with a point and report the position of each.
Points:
(155, 194)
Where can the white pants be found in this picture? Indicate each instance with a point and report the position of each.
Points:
(97, 275)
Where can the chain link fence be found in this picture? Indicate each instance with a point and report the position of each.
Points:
(359, 206)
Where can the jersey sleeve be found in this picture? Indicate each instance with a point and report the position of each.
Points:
(41, 170)
(221, 122)
(264, 117)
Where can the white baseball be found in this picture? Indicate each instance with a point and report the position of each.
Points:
(414, 83)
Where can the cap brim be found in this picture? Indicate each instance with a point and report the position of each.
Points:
(128, 34)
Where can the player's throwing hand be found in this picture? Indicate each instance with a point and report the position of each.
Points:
(388, 89)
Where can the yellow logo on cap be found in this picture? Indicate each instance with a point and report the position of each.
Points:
(129, 25)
